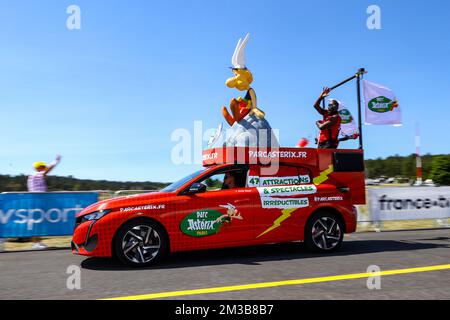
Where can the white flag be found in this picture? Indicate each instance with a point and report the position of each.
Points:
(381, 105)
(348, 124)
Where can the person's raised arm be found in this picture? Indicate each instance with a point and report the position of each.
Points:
(325, 92)
(52, 165)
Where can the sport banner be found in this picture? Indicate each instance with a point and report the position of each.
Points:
(381, 105)
(41, 214)
(409, 203)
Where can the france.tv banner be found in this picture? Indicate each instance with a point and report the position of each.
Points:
(41, 214)
(409, 203)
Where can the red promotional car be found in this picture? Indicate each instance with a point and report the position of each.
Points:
(243, 196)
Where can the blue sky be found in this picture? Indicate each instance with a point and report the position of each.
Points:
(107, 97)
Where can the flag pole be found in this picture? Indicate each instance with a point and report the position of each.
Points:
(359, 74)
(338, 85)
(343, 82)
(358, 77)
(419, 180)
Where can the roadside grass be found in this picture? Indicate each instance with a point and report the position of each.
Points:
(403, 225)
(51, 242)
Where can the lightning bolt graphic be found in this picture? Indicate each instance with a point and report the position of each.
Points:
(323, 176)
(286, 213)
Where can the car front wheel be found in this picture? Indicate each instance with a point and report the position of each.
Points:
(140, 243)
(324, 232)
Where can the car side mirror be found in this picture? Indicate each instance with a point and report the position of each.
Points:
(197, 188)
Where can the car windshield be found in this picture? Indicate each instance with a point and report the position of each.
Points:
(174, 186)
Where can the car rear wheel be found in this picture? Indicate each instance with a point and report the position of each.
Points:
(140, 243)
(324, 232)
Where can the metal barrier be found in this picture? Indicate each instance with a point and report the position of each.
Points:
(131, 192)
(388, 208)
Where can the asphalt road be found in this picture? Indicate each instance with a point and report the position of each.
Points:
(42, 275)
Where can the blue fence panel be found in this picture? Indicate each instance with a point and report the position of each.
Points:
(41, 214)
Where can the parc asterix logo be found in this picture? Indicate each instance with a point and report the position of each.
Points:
(207, 222)
(346, 116)
(382, 104)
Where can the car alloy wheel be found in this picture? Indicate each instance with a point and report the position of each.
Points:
(326, 233)
(141, 244)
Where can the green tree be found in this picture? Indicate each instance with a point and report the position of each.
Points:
(440, 170)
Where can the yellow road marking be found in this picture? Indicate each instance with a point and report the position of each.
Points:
(281, 283)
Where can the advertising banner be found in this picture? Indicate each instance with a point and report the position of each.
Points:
(41, 214)
(409, 203)
(348, 124)
(381, 105)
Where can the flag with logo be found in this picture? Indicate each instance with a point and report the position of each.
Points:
(381, 105)
(348, 124)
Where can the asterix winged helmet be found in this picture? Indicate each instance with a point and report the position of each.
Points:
(238, 58)
(242, 76)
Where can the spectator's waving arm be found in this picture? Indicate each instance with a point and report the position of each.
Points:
(52, 165)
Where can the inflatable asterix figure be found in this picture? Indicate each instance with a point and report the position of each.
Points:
(242, 79)
(248, 124)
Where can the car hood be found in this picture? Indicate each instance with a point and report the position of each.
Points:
(126, 201)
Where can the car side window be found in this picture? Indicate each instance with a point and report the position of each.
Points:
(231, 179)
(215, 182)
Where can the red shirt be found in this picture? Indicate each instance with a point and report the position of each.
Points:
(331, 132)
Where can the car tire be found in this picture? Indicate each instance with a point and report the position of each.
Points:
(324, 232)
(140, 243)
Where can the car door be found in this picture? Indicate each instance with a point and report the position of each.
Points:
(218, 216)
(283, 197)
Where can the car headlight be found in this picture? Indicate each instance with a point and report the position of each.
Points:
(95, 215)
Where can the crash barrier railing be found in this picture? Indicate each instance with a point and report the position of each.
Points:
(24, 214)
(130, 192)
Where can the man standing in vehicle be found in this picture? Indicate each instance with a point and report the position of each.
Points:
(331, 124)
